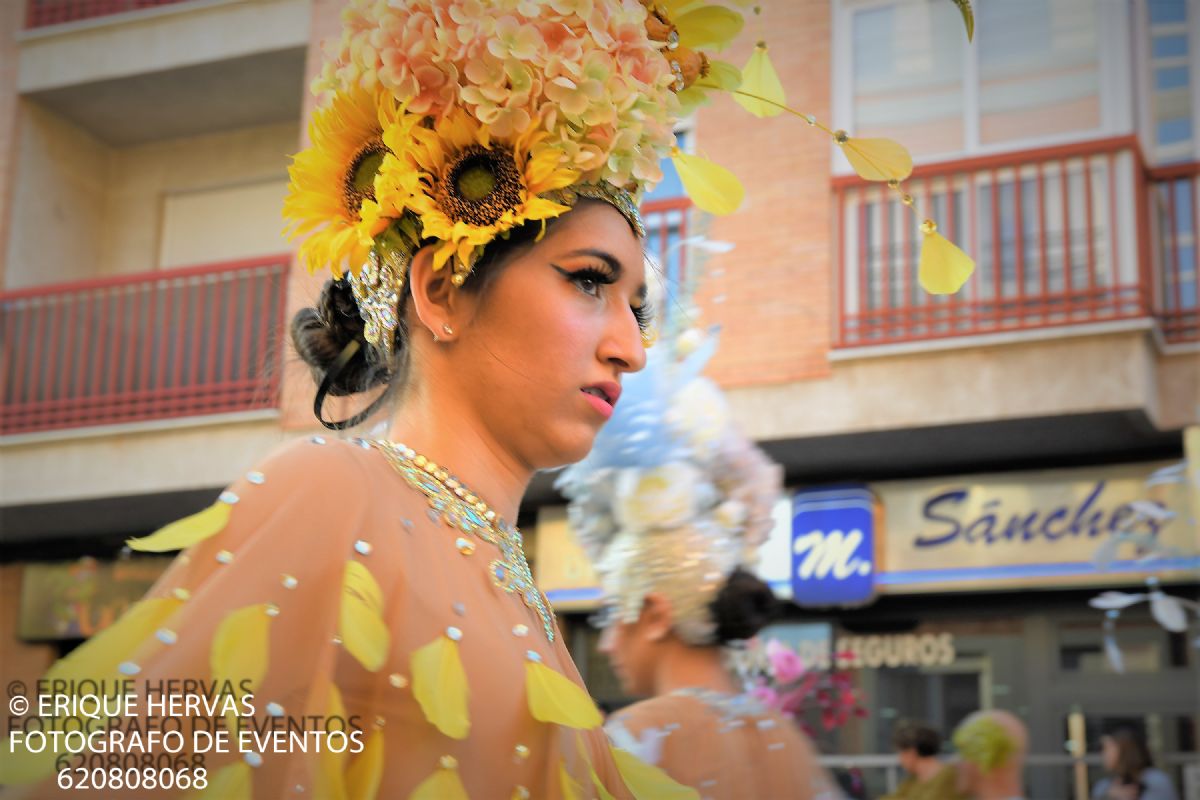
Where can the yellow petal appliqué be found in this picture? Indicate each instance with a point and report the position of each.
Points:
(723, 75)
(571, 790)
(648, 782)
(944, 268)
(366, 771)
(760, 78)
(439, 685)
(360, 622)
(878, 159)
(555, 698)
(441, 785)
(185, 532)
(241, 647)
(708, 27)
(712, 188)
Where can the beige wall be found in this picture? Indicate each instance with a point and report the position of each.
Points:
(145, 177)
(171, 457)
(158, 40)
(57, 221)
(88, 210)
(1028, 379)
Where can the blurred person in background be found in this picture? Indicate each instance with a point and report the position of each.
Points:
(991, 747)
(672, 505)
(930, 778)
(1131, 771)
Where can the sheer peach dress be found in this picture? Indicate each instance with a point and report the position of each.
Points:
(726, 747)
(273, 595)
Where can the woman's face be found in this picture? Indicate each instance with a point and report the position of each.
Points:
(1109, 752)
(631, 654)
(545, 344)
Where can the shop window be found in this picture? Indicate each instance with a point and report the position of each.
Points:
(1145, 647)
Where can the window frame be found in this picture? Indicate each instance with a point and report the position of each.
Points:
(1142, 46)
(1115, 75)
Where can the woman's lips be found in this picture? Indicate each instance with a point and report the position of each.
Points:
(602, 406)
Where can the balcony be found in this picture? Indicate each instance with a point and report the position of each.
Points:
(53, 12)
(1061, 237)
(153, 346)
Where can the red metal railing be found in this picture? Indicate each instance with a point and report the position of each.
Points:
(1175, 239)
(666, 224)
(141, 347)
(1054, 234)
(53, 12)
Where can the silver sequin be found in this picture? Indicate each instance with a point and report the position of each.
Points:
(166, 636)
(460, 609)
(271, 610)
(256, 477)
(229, 498)
(129, 668)
(454, 633)
(274, 709)
(318, 440)
(289, 581)
(362, 547)
(533, 655)
(224, 557)
(253, 759)
(520, 630)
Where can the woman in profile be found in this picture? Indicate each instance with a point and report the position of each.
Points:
(673, 503)
(477, 208)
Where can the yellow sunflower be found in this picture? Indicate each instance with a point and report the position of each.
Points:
(470, 187)
(333, 178)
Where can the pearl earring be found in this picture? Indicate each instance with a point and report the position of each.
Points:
(449, 331)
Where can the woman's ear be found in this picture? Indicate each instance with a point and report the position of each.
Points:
(658, 617)
(434, 295)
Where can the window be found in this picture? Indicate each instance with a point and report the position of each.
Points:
(1033, 76)
(1171, 114)
(665, 213)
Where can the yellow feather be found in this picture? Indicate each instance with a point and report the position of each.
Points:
(570, 789)
(708, 27)
(185, 532)
(964, 8)
(647, 782)
(712, 188)
(230, 783)
(943, 268)
(330, 778)
(366, 772)
(439, 685)
(364, 633)
(555, 698)
(878, 159)
(241, 647)
(602, 792)
(444, 784)
(759, 78)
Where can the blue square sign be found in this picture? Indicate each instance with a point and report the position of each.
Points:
(833, 546)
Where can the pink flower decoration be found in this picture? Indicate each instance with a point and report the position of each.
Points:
(785, 662)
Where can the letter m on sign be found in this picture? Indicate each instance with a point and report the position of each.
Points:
(833, 546)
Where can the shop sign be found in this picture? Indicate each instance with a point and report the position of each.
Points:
(75, 600)
(1032, 529)
(833, 546)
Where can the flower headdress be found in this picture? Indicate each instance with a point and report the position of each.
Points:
(672, 498)
(456, 121)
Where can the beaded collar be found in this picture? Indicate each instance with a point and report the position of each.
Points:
(462, 510)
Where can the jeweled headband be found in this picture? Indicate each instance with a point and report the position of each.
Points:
(456, 121)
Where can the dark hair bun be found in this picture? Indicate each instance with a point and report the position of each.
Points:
(743, 607)
(321, 334)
